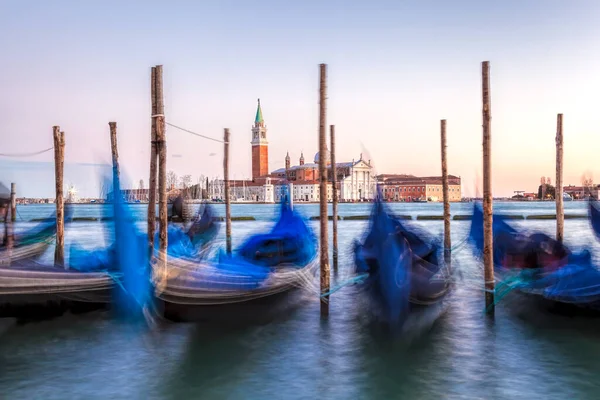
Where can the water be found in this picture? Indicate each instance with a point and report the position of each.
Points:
(464, 355)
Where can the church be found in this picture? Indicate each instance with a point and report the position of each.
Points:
(355, 179)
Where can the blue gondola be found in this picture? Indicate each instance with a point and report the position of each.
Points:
(188, 243)
(249, 282)
(538, 265)
(594, 208)
(403, 266)
(34, 241)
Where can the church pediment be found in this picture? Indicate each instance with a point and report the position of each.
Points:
(362, 164)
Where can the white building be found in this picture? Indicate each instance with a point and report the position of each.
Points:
(355, 180)
(242, 191)
(303, 191)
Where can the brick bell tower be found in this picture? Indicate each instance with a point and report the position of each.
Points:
(260, 146)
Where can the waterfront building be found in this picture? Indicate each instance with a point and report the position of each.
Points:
(414, 188)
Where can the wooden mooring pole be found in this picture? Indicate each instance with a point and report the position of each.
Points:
(13, 202)
(324, 246)
(115, 157)
(9, 229)
(226, 190)
(59, 162)
(153, 158)
(558, 193)
(488, 239)
(445, 192)
(334, 198)
(162, 172)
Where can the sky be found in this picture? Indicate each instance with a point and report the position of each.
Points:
(395, 68)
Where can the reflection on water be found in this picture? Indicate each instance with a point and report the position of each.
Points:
(465, 355)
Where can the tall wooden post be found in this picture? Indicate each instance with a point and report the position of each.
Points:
(488, 239)
(162, 171)
(115, 157)
(59, 162)
(558, 193)
(13, 202)
(9, 230)
(447, 241)
(334, 197)
(226, 183)
(324, 246)
(153, 157)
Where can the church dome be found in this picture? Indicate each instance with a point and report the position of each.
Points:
(327, 157)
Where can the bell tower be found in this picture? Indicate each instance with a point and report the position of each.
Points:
(260, 146)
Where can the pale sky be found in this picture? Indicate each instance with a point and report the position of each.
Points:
(395, 69)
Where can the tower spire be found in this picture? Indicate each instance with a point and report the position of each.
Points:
(259, 116)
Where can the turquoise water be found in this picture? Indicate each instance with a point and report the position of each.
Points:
(465, 355)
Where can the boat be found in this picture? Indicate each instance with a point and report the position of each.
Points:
(594, 212)
(539, 266)
(191, 243)
(252, 282)
(405, 273)
(32, 242)
(30, 290)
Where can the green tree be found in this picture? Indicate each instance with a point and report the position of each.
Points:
(549, 192)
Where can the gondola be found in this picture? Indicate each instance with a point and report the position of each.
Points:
(539, 266)
(190, 243)
(254, 281)
(32, 242)
(405, 273)
(594, 212)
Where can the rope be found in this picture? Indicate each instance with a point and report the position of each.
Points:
(354, 280)
(196, 134)
(25, 154)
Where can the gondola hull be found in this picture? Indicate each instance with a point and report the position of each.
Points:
(188, 296)
(31, 292)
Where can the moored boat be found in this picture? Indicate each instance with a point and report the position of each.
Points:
(405, 273)
(538, 265)
(251, 282)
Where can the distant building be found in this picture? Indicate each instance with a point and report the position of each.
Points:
(414, 188)
(582, 192)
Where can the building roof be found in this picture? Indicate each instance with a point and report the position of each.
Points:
(259, 116)
(327, 156)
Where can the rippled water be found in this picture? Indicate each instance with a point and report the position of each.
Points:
(520, 354)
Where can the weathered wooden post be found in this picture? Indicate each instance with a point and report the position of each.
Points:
(9, 230)
(447, 241)
(324, 250)
(115, 157)
(488, 239)
(59, 162)
(291, 194)
(162, 171)
(226, 190)
(153, 157)
(13, 202)
(334, 197)
(558, 193)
